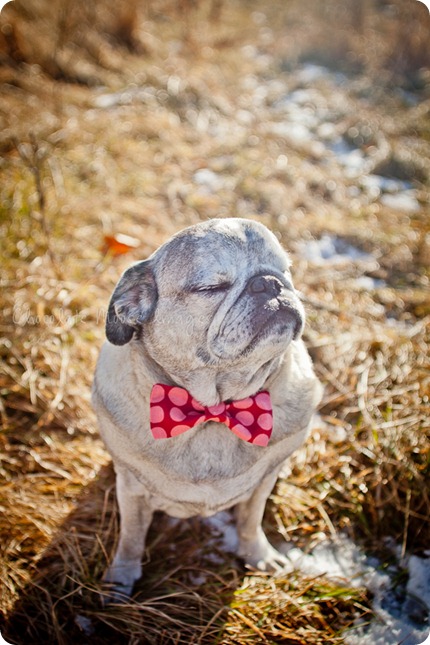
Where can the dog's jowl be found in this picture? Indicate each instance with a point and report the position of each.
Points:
(204, 386)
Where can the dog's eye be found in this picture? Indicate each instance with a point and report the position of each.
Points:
(212, 288)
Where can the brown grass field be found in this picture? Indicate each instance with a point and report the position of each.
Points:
(139, 119)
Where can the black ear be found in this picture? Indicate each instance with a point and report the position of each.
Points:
(132, 302)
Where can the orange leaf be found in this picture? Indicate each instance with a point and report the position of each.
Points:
(119, 244)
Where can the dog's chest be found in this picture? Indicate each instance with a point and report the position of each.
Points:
(203, 472)
(206, 454)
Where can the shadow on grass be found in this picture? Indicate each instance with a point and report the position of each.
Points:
(183, 596)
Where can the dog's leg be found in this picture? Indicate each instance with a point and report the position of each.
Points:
(135, 518)
(254, 546)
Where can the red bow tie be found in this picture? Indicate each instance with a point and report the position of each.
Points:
(174, 411)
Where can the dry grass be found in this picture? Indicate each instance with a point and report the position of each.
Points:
(113, 146)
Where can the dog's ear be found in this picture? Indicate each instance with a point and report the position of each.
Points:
(132, 302)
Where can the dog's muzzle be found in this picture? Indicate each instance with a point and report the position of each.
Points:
(267, 308)
(276, 305)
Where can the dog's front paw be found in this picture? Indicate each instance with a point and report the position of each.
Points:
(118, 581)
(115, 594)
(260, 554)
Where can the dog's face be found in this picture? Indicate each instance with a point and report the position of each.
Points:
(217, 294)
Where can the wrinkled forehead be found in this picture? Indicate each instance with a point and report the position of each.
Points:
(221, 251)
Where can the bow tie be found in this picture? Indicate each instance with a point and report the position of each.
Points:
(174, 411)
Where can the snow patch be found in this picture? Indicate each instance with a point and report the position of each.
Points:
(397, 619)
(367, 283)
(333, 250)
(223, 526)
(353, 160)
(400, 617)
(379, 184)
(310, 73)
(393, 193)
(405, 201)
(208, 179)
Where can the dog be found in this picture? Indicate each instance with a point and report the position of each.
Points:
(211, 321)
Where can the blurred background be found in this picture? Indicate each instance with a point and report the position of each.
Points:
(68, 38)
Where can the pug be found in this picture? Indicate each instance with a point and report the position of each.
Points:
(204, 386)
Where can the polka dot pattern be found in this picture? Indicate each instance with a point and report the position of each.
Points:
(174, 411)
(156, 414)
(158, 393)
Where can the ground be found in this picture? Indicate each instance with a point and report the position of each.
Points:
(138, 124)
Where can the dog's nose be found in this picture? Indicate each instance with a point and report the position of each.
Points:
(267, 284)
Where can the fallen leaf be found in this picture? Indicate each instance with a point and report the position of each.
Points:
(119, 244)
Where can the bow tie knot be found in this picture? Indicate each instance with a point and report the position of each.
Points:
(173, 411)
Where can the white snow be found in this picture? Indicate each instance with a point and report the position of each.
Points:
(393, 193)
(339, 560)
(344, 562)
(353, 160)
(366, 283)
(294, 132)
(333, 250)
(309, 73)
(208, 179)
(419, 578)
(381, 184)
(405, 201)
(224, 528)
